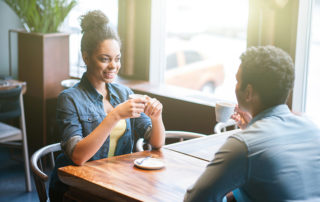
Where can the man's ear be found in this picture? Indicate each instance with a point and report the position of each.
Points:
(249, 94)
(85, 57)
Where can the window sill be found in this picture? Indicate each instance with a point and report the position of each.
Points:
(169, 91)
(183, 109)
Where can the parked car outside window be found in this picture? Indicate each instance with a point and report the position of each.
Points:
(190, 69)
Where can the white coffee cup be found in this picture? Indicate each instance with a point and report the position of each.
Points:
(134, 96)
(224, 110)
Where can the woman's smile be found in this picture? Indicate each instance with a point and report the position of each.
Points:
(110, 75)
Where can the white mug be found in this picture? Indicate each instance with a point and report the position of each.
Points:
(224, 110)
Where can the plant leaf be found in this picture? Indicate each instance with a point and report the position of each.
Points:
(44, 16)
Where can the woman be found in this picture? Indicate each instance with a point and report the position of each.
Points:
(95, 117)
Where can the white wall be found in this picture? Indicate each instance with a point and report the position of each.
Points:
(8, 20)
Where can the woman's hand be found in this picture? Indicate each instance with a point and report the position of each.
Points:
(242, 118)
(153, 108)
(131, 108)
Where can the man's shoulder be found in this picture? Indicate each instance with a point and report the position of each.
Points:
(258, 132)
(272, 130)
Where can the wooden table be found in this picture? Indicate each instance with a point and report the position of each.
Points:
(7, 84)
(117, 179)
(202, 148)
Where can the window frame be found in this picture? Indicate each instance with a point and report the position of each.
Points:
(302, 56)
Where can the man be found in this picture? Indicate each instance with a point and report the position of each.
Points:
(277, 157)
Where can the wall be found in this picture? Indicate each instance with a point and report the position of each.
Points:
(8, 20)
(273, 23)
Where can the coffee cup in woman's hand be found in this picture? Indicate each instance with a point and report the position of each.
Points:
(135, 96)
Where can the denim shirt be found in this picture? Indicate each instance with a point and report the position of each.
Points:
(80, 110)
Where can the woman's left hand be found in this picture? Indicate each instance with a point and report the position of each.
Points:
(153, 108)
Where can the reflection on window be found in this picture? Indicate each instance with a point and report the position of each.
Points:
(204, 40)
(171, 61)
(192, 56)
(313, 99)
(72, 26)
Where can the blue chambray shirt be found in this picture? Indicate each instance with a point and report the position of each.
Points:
(276, 158)
(80, 110)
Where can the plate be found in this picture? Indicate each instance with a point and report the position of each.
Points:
(149, 163)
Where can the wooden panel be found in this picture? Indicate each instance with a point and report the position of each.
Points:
(30, 63)
(35, 123)
(43, 63)
(194, 112)
(118, 179)
(56, 61)
(187, 116)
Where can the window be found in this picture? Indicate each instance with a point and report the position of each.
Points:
(172, 61)
(203, 42)
(313, 82)
(72, 26)
(192, 56)
(305, 96)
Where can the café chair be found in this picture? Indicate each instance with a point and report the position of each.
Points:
(222, 126)
(141, 145)
(40, 177)
(11, 107)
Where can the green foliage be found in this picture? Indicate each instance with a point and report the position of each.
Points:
(44, 16)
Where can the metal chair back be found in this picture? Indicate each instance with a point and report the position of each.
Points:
(222, 127)
(10, 103)
(40, 177)
(11, 106)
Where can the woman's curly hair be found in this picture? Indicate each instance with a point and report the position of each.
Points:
(96, 28)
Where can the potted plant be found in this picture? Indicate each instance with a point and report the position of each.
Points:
(41, 16)
(43, 60)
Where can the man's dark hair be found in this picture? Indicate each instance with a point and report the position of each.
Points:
(270, 71)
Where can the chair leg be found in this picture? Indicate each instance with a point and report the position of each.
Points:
(25, 147)
(41, 188)
(52, 159)
(26, 165)
(27, 170)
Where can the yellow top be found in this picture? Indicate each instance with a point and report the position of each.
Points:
(115, 135)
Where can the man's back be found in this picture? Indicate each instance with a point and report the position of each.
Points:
(283, 158)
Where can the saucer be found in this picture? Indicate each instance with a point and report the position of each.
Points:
(149, 163)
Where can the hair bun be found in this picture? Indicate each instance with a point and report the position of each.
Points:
(93, 20)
